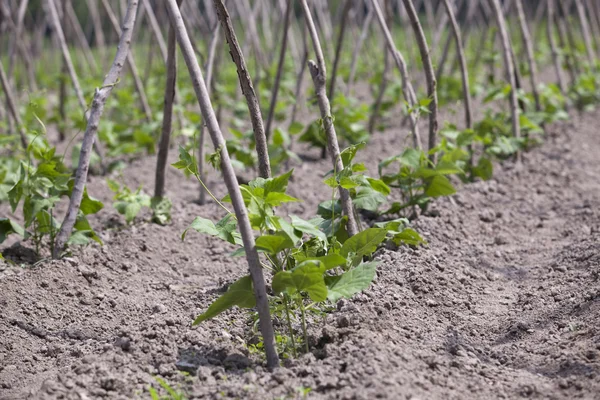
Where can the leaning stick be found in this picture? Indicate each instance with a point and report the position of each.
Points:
(510, 69)
(318, 73)
(12, 107)
(100, 97)
(80, 35)
(585, 30)
(97, 23)
(281, 62)
(256, 273)
(464, 70)
(264, 167)
(17, 37)
(338, 49)
(357, 49)
(139, 87)
(165, 136)
(66, 55)
(155, 28)
(554, 49)
(429, 74)
(210, 63)
(530, 57)
(407, 88)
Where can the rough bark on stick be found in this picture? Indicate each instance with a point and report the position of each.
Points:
(565, 41)
(530, 56)
(407, 88)
(514, 105)
(554, 49)
(587, 36)
(155, 28)
(12, 107)
(139, 87)
(89, 137)
(357, 49)
(165, 136)
(338, 50)
(264, 167)
(80, 36)
(429, 74)
(281, 62)
(210, 63)
(318, 73)
(379, 100)
(256, 273)
(464, 70)
(66, 55)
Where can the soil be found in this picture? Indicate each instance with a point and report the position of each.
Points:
(503, 302)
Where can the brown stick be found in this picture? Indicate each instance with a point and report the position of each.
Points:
(281, 62)
(318, 73)
(12, 107)
(554, 48)
(530, 56)
(462, 59)
(429, 74)
(585, 30)
(95, 114)
(208, 114)
(210, 62)
(165, 136)
(338, 50)
(260, 138)
(85, 46)
(514, 106)
(139, 87)
(357, 49)
(407, 88)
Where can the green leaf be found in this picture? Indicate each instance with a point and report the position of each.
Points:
(273, 244)
(306, 277)
(380, 186)
(295, 128)
(329, 261)
(239, 294)
(278, 184)
(90, 205)
(439, 186)
(307, 227)
(408, 236)
(351, 282)
(363, 243)
(224, 229)
(484, 169)
(8, 226)
(161, 210)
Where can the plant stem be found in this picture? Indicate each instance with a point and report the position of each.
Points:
(289, 323)
(301, 304)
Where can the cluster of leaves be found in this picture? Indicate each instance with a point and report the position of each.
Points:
(312, 262)
(38, 186)
(129, 203)
(349, 117)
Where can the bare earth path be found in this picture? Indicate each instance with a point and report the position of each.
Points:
(503, 303)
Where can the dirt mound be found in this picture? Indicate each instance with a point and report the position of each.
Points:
(504, 302)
